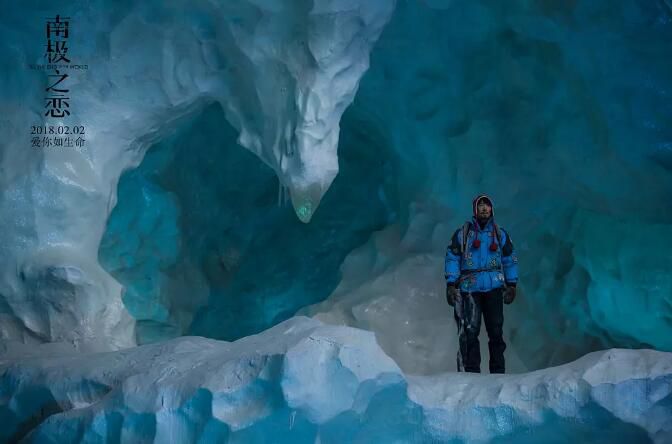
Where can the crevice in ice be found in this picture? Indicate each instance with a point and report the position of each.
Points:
(35, 420)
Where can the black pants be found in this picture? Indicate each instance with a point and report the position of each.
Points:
(469, 308)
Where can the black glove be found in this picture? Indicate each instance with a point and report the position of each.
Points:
(509, 294)
(452, 293)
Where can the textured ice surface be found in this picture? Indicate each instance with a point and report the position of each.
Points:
(283, 72)
(559, 110)
(194, 237)
(306, 382)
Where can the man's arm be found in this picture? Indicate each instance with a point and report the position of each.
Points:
(453, 255)
(509, 261)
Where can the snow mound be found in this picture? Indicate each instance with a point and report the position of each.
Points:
(305, 381)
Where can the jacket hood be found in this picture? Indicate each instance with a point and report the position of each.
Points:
(477, 199)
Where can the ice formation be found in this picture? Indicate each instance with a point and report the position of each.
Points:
(523, 101)
(510, 101)
(306, 382)
(163, 226)
(284, 72)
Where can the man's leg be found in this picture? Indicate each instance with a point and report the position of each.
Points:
(470, 313)
(493, 315)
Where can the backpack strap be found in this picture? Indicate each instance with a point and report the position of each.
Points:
(465, 233)
(498, 234)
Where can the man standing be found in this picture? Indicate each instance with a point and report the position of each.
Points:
(481, 274)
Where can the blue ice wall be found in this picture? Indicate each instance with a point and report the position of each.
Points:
(560, 110)
(202, 247)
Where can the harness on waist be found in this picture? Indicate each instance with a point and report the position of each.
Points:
(479, 270)
(466, 273)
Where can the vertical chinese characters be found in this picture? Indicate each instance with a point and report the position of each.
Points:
(57, 100)
(58, 94)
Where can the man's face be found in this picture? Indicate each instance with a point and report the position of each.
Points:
(484, 210)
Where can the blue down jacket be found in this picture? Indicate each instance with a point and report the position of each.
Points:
(500, 265)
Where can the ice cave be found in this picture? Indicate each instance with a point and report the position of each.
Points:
(248, 244)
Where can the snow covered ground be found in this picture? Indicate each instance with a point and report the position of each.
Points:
(303, 381)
